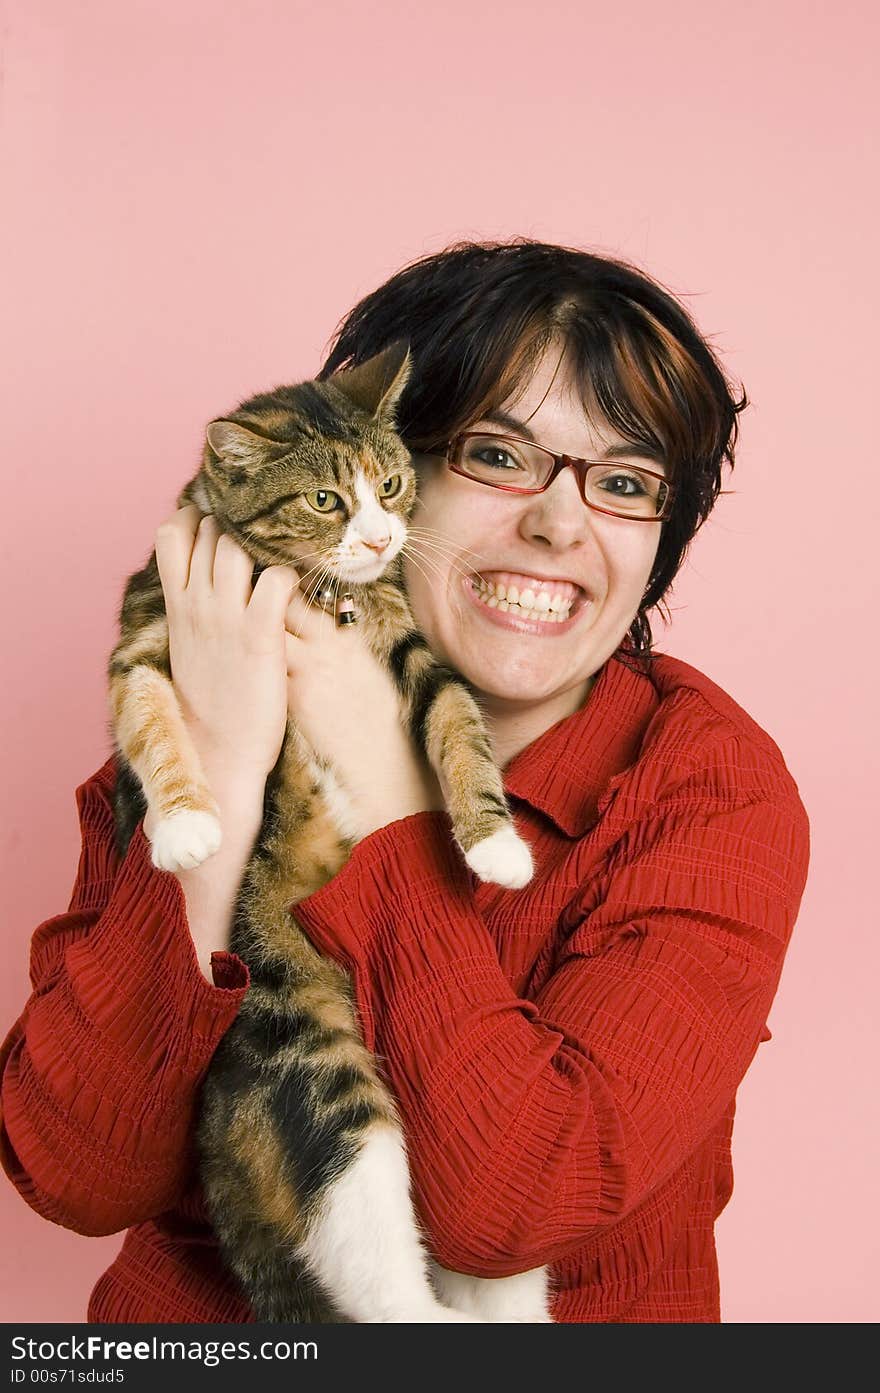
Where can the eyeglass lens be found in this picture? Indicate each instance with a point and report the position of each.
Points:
(620, 488)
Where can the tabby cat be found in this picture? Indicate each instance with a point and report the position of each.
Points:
(303, 1163)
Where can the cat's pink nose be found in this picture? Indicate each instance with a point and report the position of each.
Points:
(376, 546)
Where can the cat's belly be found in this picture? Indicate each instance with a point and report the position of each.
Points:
(306, 841)
(337, 801)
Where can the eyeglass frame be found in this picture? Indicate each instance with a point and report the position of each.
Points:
(580, 466)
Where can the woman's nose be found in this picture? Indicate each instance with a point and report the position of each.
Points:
(558, 518)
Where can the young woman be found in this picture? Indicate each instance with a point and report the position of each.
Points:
(566, 1056)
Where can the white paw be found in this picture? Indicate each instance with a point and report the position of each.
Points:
(523, 1298)
(444, 1315)
(503, 858)
(184, 840)
(432, 1314)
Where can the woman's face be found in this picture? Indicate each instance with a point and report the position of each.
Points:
(480, 538)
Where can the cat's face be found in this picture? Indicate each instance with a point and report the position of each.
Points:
(316, 475)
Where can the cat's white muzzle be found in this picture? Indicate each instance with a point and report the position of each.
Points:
(363, 570)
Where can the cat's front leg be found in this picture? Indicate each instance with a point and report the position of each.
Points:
(448, 725)
(153, 739)
(524, 1297)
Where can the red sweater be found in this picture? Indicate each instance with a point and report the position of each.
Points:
(565, 1056)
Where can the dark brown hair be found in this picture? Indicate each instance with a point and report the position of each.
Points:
(478, 317)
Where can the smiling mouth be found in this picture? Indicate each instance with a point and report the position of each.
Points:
(547, 601)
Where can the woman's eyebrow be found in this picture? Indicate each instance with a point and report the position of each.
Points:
(639, 451)
(501, 418)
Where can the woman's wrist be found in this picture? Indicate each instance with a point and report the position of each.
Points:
(240, 800)
(409, 787)
(211, 889)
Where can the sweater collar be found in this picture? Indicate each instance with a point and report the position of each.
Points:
(566, 772)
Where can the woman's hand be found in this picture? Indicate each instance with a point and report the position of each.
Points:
(226, 639)
(345, 704)
(227, 647)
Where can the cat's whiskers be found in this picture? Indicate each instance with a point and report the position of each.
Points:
(262, 547)
(437, 556)
(439, 551)
(443, 545)
(438, 536)
(326, 580)
(427, 568)
(321, 551)
(280, 559)
(464, 565)
(412, 550)
(305, 575)
(422, 572)
(297, 561)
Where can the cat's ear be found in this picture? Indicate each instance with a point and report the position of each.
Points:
(376, 386)
(235, 445)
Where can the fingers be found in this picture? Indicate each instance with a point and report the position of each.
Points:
(305, 620)
(174, 544)
(201, 565)
(271, 595)
(185, 550)
(193, 554)
(233, 572)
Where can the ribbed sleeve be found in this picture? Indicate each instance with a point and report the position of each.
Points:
(534, 1124)
(101, 1072)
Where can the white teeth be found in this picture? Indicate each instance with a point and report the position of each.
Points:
(540, 605)
(541, 610)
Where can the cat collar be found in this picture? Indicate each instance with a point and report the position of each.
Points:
(345, 611)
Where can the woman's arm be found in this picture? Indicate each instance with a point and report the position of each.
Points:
(101, 1073)
(532, 1124)
(211, 889)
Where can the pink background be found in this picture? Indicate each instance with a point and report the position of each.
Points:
(196, 193)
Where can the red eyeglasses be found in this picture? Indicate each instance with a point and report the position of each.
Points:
(506, 462)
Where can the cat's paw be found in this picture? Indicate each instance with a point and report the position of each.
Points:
(444, 1315)
(504, 859)
(523, 1298)
(426, 1313)
(184, 840)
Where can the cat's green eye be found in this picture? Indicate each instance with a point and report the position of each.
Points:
(323, 500)
(391, 487)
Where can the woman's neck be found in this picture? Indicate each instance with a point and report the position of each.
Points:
(512, 726)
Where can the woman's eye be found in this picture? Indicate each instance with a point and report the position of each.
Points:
(632, 483)
(323, 500)
(496, 458)
(391, 487)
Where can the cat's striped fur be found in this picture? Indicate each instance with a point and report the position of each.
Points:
(302, 1158)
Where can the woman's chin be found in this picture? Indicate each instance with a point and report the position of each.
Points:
(505, 669)
(514, 681)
